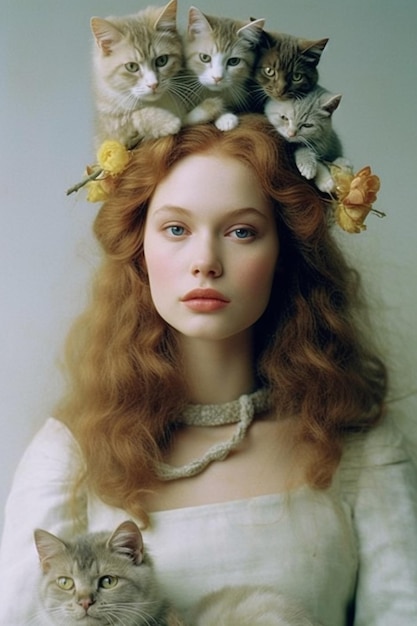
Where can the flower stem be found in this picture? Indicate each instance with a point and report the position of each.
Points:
(84, 181)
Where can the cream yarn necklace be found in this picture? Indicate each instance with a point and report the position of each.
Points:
(240, 412)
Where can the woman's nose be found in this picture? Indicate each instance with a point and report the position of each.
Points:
(207, 261)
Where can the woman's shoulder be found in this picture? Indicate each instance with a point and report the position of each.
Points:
(381, 453)
(54, 448)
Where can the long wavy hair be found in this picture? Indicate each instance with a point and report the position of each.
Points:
(126, 386)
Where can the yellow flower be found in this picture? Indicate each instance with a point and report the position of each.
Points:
(363, 189)
(100, 188)
(95, 191)
(351, 219)
(112, 157)
(355, 195)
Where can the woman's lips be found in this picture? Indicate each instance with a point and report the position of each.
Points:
(205, 300)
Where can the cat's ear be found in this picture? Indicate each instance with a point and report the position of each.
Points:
(198, 23)
(331, 103)
(167, 20)
(127, 540)
(48, 546)
(252, 31)
(267, 40)
(105, 33)
(312, 50)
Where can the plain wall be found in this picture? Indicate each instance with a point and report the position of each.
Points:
(47, 253)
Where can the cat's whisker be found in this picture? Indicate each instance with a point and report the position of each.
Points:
(185, 95)
(240, 99)
(258, 95)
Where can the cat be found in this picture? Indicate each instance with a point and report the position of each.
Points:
(100, 579)
(287, 65)
(137, 65)
(248, 605)
(220, 54)
(307, 124)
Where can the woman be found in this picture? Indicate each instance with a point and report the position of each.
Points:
(221, 285)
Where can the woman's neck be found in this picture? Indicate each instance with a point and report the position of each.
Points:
(218, 371)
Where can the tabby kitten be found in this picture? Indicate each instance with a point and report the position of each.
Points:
(220, 53)
(137, 63)
(287, 65)
(249, 605)
(100, 578)
(307, 124)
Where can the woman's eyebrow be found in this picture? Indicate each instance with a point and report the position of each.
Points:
(171, 207)
(234, 213)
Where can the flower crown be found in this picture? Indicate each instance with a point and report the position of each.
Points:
(351, 201)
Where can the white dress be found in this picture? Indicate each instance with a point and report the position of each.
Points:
(348, 554)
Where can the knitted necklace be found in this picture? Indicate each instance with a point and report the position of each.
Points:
(240, 412)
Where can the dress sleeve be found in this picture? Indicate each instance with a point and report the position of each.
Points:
(40, 497)
(384, 505)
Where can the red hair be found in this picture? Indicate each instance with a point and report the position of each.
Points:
(127, 388)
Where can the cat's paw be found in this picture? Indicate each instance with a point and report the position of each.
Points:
(306, 162)
(153, 122)
(207, 111)
(227, 121)
(323, 179)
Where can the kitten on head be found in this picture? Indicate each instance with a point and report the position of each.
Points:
(220, 54)
(137, 61)
(287, 65)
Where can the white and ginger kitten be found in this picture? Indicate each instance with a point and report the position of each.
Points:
(220, 54)
(137, 63)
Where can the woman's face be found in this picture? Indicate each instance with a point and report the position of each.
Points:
(211, 247)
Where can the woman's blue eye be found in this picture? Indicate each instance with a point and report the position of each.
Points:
(177, 231)
(243, 233)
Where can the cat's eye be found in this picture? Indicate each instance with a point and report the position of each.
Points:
(108, 582)
(132, 67)
(205, 58)
(297, 77)
(233, 61)
(65, 583)
(269, 71)
(162, 60)
(307, 125)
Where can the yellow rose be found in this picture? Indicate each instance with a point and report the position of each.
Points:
(342, 178)
(112, 157)
(355, 195)
(95, 191)
(351, 219)
(363, 188)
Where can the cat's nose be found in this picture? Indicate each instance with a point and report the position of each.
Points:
(86, 602)
(152, 86)
(217, 79)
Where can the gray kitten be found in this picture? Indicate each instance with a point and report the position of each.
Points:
(100, 579)
(220, 54)
(307, 124)
(137, 64)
